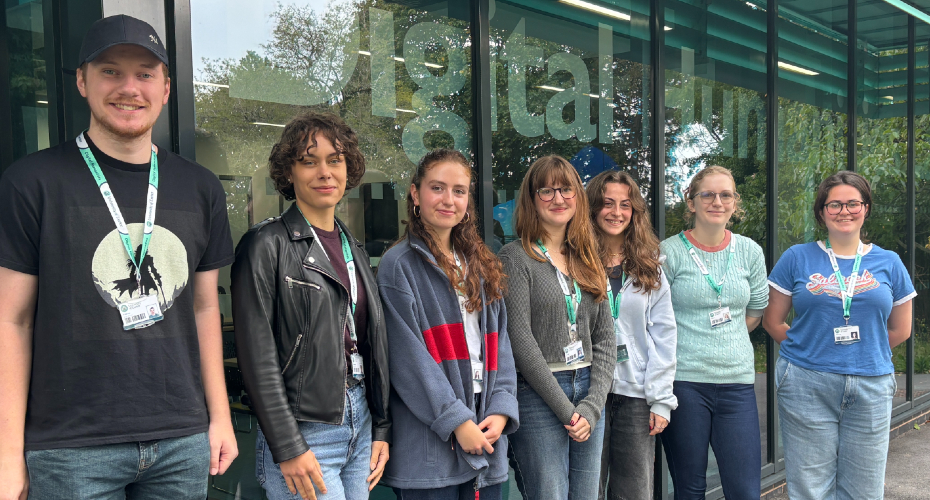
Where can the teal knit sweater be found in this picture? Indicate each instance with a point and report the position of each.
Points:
(724, 354)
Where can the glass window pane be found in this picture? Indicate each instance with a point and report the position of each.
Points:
(921, 276)
(399, 73)
(716, 114)
(26, 43)
(569, 82)
(881, 135)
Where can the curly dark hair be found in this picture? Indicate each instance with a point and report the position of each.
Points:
(293, 145)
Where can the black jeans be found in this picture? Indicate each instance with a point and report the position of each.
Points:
(629, 450)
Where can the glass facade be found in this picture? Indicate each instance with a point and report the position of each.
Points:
(782, 92)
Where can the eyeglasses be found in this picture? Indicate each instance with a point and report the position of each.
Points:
(548, 193)
(708, 197)
(835, 207)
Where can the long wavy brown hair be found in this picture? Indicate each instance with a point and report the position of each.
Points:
(580, 251)
(640, 244)
(482, 264)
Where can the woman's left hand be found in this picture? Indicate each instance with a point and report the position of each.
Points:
(657, 424)
(581, 430)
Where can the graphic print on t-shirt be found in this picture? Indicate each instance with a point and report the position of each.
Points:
(164, 268)
(820, 284)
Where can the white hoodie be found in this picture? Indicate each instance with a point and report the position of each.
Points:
(646, 324)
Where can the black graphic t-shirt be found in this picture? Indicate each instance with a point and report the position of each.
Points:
(92, 382)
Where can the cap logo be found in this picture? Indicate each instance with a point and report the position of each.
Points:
(154, 40)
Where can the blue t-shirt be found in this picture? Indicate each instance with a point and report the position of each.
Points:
(804, 272)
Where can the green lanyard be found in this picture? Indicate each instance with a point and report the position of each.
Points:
(572, 302)
(717, 286)
(151, 199)
(615, 301)
(847, 296)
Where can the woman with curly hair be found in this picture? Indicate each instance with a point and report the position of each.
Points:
(719, 291)
(641, 399)
(310, 340)
(454, 398)
(563, 335)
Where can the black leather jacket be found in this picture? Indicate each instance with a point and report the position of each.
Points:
(289, 311)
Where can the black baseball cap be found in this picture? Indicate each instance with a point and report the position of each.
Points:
(117, 30)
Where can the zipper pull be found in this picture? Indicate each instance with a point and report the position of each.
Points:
(290, 281)
(477, 494)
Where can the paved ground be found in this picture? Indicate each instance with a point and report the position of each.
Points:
(907, 476)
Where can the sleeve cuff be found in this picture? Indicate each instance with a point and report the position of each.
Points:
(663, 410)
(779, 288)
(754, 313)
(449, 420)
(505, 404)
(904, 299)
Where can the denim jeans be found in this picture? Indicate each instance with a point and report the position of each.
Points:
(629, 451)
(343, 451)
(547, 463)
(465, 491)
(724, 416)
(176, 468)
(835, 432)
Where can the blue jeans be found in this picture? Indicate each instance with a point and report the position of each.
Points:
(548, 464)
(465, 491)
(835, 432)
(176, 468)
(725, 417)
(343, 451)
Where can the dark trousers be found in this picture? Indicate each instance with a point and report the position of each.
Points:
(725, 417)
(465, 491)
(629, 450)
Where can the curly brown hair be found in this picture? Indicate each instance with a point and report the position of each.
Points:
(640, 244)
(581, 253)
(292, 146)
(482, 264)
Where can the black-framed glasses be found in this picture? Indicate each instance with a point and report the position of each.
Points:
(708, 197)
(548, 193)
(835, 207)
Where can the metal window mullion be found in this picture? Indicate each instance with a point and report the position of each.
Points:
(771, 349)
(181, 69)
(6, 112)
(657, 81)
(481, 83)
(911, 188)
(852, 92)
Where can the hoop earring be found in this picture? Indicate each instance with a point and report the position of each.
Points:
(466, 219)
(416, 210)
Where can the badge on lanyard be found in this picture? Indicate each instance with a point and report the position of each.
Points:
(145, 310)
(846, 334)
(622, 354)
(574, 351)
(477, 371)
(358, 365)
(721, 315)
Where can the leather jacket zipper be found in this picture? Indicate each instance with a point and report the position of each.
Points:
(291, 282)
(293, 353)
(345, 323)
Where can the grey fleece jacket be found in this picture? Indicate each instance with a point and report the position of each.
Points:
(647, 326)
(538, 328)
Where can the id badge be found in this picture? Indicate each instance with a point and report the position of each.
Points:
(140, 313)
(622, 354)
(477, 371)
(846, 334)
(358, 365)
(574, 352)
(720, 316)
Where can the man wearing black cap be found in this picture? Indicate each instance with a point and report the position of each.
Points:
(112, 377)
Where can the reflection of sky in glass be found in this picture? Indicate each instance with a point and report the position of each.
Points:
(224, 29)
(693, 142)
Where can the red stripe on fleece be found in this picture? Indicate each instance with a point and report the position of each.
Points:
(491, 351)
(446, 342)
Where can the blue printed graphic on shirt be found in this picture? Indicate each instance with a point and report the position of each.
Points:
(804, 272)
